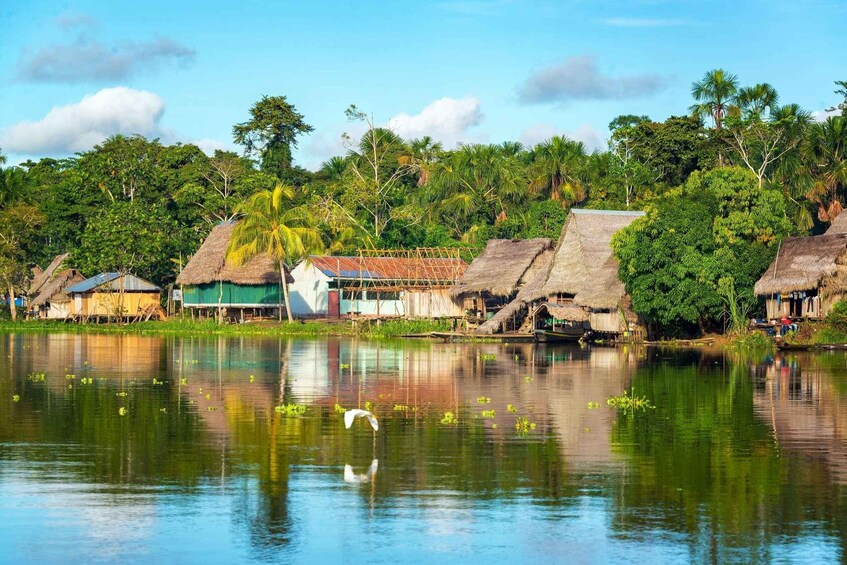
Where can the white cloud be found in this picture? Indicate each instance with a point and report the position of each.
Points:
(822, 115)
(209, 146)
(542, 132)
(79, 126)
(446, 120)
(578, 78)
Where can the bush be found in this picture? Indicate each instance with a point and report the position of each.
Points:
(837, 317)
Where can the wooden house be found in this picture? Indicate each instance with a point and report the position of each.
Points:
(399, 286)
(496, 276)
(46, 291)
(211, 283)
(807, 276)
(113, 296)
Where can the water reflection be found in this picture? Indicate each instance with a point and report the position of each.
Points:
(741, 460)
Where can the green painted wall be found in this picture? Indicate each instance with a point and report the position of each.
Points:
(233, 294)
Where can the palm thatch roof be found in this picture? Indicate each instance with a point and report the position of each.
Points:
(567, 312)
(54, 290)
(802, 262)
(500, 268)
(209, 264)
(530, 282)
(839, 224)
(41, 278)
(584, 265)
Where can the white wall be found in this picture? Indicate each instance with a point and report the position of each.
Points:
(308, 292)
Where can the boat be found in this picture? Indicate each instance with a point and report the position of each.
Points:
(782, 346)
(557, 336)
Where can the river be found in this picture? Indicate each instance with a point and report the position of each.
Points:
(152, 449)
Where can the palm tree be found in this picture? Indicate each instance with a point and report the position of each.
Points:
(271, 223)
(333, 168)
(423, 153)
(825, 154)
(755, 100)
(715, 95)
(557, 167)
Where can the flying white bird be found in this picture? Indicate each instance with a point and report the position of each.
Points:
(354, 479)
(351, 415)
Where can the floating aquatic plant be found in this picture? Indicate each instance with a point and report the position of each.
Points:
(36, 377)
(488, 356)
(483, 400)
(157, 381)
(183, 381)
(16, 398)
(86, 380)
(343, 366)
(369, 406)
(593, 405)
(120, 394)
(252, 378)
(510, 408)
(488, 413)
(449, 418)
(290, 409)
(339, 409)
(122, 411)
(400, 407)
(628, 401)
(523, 425)
(527, 379)
(69, 377)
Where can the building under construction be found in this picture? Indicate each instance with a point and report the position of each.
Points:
(413, 283)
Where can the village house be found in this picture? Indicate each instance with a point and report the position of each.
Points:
(495, 277)
(383, 287)
(210, 283)
(48, 299)
(808, 274)
(113, 296)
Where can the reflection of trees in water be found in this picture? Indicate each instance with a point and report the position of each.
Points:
(706, 465)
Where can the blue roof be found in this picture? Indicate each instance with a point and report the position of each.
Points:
(131, 284)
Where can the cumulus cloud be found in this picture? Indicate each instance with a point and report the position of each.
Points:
(79, 126)
(209, 146)
(542, 132)
(644, 22)
(446, 120)
(822, 115)
(578, 78)
(86, 59)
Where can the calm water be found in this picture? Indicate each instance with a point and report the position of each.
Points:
(742, 459)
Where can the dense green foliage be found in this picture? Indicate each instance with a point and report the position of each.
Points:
(132, 203)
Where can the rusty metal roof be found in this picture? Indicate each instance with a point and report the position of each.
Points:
(416, 270)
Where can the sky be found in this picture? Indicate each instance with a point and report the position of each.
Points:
(73, 73)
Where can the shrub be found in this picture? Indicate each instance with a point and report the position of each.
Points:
(837, 317)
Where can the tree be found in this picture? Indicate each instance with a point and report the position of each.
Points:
(377, 168)
(629, 170)
(715, 95)
(127, 238)
(557, 170)
(271, 133)
(221, 188)
(271, 224)
(757, 100)
(825, 158)
(841, 90)
(123, 167)
(19, 224)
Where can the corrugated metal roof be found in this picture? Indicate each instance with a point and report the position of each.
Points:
(111, 281)
(391, 268)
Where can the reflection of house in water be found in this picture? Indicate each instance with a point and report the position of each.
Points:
(805, 404)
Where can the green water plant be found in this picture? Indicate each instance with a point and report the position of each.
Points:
(449, 418)
(292, 409)
(339, 409)
(121, 394)
(510, 408)
(488, 356)
(593, 405)
(483, 400)
(488, 413)
(36, 377)
(16, 398)
(628, 401)
(369, 406)
(122, 411)
(400, 408)
(523, 425)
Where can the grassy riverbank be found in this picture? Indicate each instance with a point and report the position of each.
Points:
(365, 328)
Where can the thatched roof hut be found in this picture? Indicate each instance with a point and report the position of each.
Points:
(501, 268)
(53, 292)
(839, 224)
(43, 277)
(584, 265)
(802, 263)
(209, 264)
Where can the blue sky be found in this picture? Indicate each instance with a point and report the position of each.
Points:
(461, 70)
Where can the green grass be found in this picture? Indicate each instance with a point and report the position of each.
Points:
(186, 326)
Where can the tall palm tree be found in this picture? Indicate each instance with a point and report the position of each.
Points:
(755, 100)
(333, 168)
(557, 168)
(825, 154)
(715, 95)
(271, 223)
(423, 153)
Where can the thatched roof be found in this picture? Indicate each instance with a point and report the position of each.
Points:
(584, 265)
(499, 269)
(530, 282)
(839, 224)
(54, 290)
(567, 312)
(209, 264)
(801, 263)
(410, 270)
(41, 278)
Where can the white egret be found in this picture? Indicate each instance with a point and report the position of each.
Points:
(354, 479)
(351, 415)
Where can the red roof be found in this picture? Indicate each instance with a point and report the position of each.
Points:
(408, 270)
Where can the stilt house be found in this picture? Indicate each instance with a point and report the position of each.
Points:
(113, 296)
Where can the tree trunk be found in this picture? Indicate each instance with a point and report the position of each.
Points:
(285, 294)
(13, 311)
